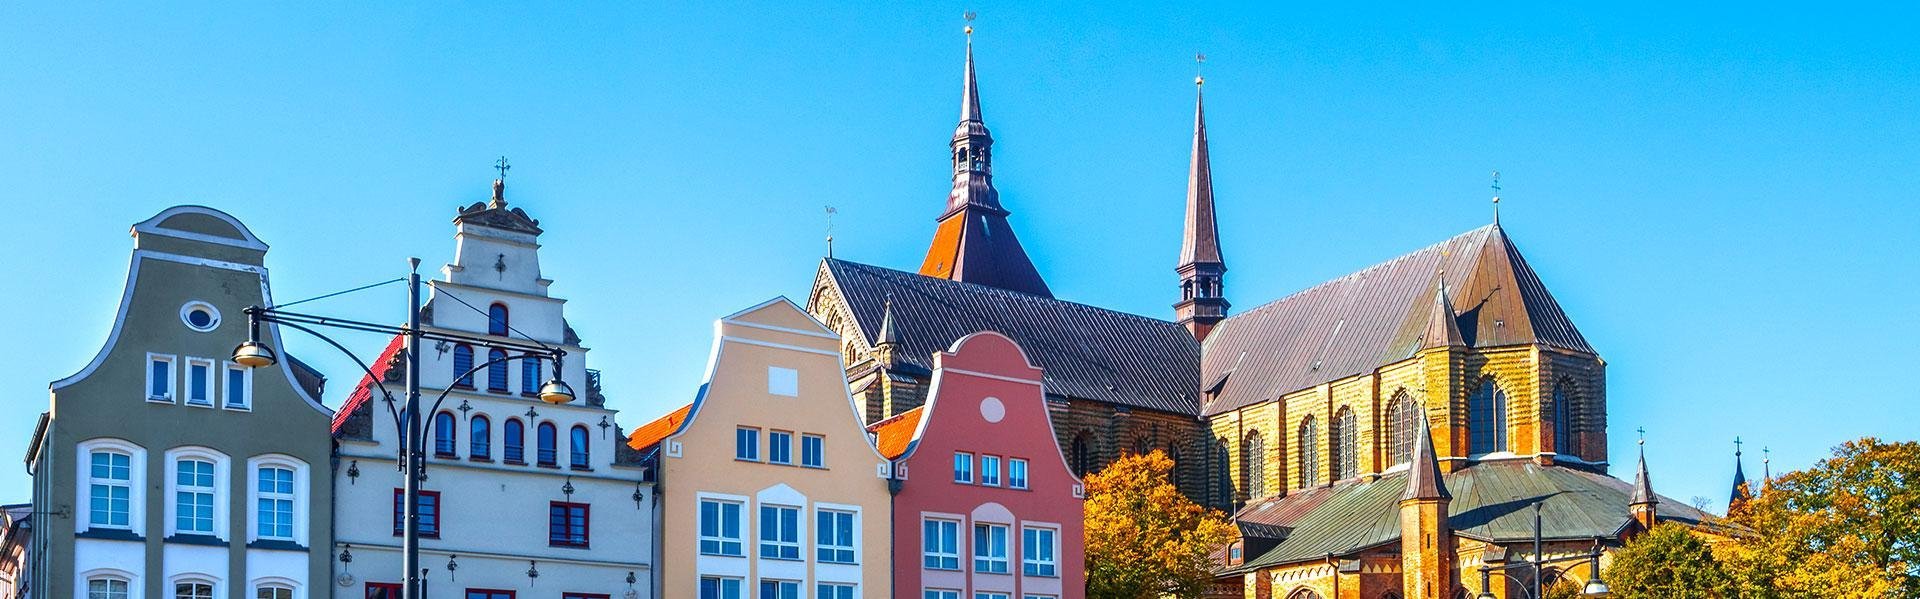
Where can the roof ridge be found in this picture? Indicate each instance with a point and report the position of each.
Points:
(1363, 271)
(1009, 293)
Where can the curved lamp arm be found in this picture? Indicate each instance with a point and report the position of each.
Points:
(356, 360)
(428, 430)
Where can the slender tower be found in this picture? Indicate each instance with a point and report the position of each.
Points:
(1741, 493)
(1644, 507)
(1203, 302)
(1426, 535)
(973, 242)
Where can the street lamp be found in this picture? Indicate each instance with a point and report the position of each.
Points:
(1594, 587)
(413, 451)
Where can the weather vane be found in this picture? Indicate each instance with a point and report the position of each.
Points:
(969, 15)
(1199, 60)
(502, 166)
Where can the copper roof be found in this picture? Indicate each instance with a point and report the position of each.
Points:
(1379, 315)
(894, 436)
(1088, 353)
(1200, 242)
(1423, 471)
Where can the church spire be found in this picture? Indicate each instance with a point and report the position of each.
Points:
(974, 243)
(1202, 271)
(1443, 324)
(1424, 481)
(1644, 504)
(1740, 493)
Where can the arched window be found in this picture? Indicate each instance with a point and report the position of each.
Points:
(463, 362)
(1253, 466)
(192, 589)
(1303, 594)
(529, 374)
(578, 458)
(1345, 444)
(497, 372)
(480, 438)
(273, 590)
(1082, 455)
(1173, 455)
(1141, 445)
(1401, 427)
(515, 438)
(1562, 421)
(1222, 483)
(1309, 452)
(1487, 419)
(497, 319)
(107, 587)
(443, 434)
(544, 437)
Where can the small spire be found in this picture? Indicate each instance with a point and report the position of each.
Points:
(1740, 492)
(1423, 475)
(888, 336)
(1766, 467)
(1443, 324)
(1642, 485)
(970, 102)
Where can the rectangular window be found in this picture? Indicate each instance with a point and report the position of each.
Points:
(199, 382)
(813, 451)
(383, 590)
(746, 444)
(1016, 473)
(429, 513)
(110, 489)
(990, 548)
(779, 447)
(715, 587)
(272, 591)
(940, 545)
(829, 590)
(963, 468)
(193, 497)
(833, 537)
(990, 470)
(1038, 550)
(567, 524)
(779, 589)
(530, 376)
(489, 594)
(987, 595)
(779, 532)
(239, 391)
(720, 528)
(940, 594)
(159, 378)
(275, 507)
(783, 381)
(192, 590)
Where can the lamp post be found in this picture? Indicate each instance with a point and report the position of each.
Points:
(413, 431)
(1594, 587)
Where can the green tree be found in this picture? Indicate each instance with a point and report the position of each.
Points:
(1144, 538)
(1847, 527)
(1668, 562)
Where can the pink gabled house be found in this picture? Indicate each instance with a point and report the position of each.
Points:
(984, 505)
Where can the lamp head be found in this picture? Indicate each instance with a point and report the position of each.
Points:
(1596, 588)
(252, 354)
(1484, 594)
(556, 391)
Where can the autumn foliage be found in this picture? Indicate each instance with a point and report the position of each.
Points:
(1144, 538)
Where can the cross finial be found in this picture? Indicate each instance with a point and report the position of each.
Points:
(1766, 454)
(1643, 434)
(969, 15)
(1496, 197)
(1736, 446)
(1199, 60)
(502, 166)
(830, 212)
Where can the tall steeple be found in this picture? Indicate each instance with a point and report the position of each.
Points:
(1203, 302)
(1643, 507)
(973, 242)
(1740, 493)
(1426, 533)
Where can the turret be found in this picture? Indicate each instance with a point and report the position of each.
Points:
(1426, 536)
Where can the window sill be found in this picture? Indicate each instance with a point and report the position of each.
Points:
(277, 545)
(780, 559)
(237, 408)
(514, 462)
(553, 466)
(480, 458)
(446, 456)
(159, 399)
(500, 391)
(196, 539)
(110, 534)
(465, 387)
(567, 545)
(434, 536)
(734, 555)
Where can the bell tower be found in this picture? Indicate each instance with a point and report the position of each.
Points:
(1203, 301)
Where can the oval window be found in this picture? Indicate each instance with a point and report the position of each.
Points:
(200, 316)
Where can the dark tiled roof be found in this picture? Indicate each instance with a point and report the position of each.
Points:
(1377, 316)
(1087, 352)
(1491, 502)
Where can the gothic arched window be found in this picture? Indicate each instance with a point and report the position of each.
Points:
(1487, 418)
(1562, 421)
(1253, 466)
(1222, 476)
(1345, 444)
(1082, 455)
(1401, 427)
(1303, 594)
(497, 319)
(1309, 452)
(1141, 445)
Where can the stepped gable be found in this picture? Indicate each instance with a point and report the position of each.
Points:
(1088, 353)
(1378, 316)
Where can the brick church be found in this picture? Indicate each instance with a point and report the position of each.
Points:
(1385, 434)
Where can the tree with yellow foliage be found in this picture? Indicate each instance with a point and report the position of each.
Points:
(1144, 538)
(1847, 527)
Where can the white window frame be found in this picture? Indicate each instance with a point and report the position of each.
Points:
(799, 588)
(771, 445)
(246, 387)
(1020, 465)
(959, 545)
(783, 382)
(962, 475)
(221, 473)
(298, 591)
(754, 454)
(853, 536)
(776, 544)
(740, 526)
(984, 563)
(173, 378)
(134, 587)
(989, 476)
(1028, 558)
(136, 482)
(212, 386)
(820, 456)
(940, 594)
(990, 595)
(302, 495)
(739, 588)
(829, 590)
(213, 585)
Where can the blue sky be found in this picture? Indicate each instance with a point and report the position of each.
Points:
(1723, 197)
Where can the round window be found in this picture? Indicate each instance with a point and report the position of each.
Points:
(200, 316)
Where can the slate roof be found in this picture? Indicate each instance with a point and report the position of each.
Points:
(1088, 353)
(1492, 501)
(1380, 315)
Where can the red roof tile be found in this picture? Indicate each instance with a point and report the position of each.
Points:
(650, 434)
(894, 435)
(365, 389)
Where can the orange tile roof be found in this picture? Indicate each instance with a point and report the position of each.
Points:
(893, 435)
(650, 434)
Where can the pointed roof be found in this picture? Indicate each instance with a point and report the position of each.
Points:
(1443, 324)
(1643, 486)
(1423, 474)
(1740, 491)
(887, 333)
(971, 123)
(1377, 316)
(1201, 242)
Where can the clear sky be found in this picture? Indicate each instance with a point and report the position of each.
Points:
(1722, 197)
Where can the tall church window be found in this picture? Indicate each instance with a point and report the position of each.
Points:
(1309, 452)
(547, 452)
(1401, 427)
(1345, 444)
(463, 362)
(578, 448)
(1082, 455)
(1252, 462)
(515, 439)
(497, 371)
(480, 438)
(1562, 421)
(1222, 483)
(1487, 418)
(443, 435)
(529, 374)
(497, 320)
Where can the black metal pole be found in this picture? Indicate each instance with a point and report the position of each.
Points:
(1538, 558)
(413, 445)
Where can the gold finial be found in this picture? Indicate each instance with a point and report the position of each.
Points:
(969, 15)
(1199, 60)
